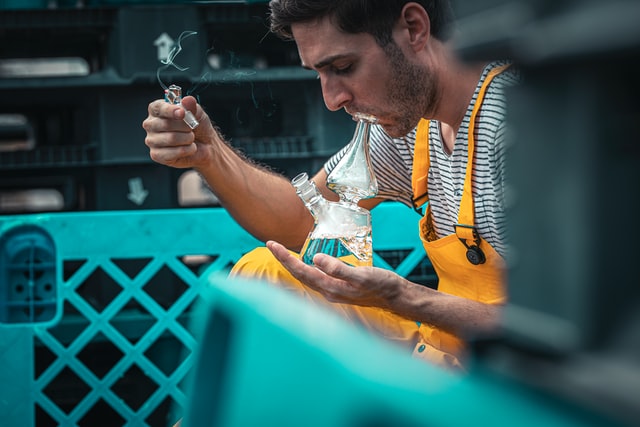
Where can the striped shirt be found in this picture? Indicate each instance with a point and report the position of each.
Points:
(392, 160)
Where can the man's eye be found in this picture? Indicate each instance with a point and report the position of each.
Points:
(343, 70)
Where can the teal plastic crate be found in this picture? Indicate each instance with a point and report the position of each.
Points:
(266, 360)
(28, 270)
(114, 346)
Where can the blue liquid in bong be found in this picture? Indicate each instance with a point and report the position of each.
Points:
(330, 246)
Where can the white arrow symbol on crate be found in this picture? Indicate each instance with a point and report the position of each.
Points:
(165, 43)
(137, 193)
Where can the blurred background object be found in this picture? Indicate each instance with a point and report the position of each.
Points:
(80, 75)
(573, 319)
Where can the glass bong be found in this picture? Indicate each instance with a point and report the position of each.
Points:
(342, 229)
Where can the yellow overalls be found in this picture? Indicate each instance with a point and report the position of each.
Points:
(457, 276)
(453, 256)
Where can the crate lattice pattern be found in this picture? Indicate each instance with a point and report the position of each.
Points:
(121, 351)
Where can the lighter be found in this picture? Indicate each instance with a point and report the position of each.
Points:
(174, 95)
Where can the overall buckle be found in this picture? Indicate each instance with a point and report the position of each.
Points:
(474, 254)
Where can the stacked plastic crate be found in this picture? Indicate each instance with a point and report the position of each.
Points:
(80, 78)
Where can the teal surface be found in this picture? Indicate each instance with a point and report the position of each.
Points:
(133, 322)
(267, 360)
(127, 287)
(28, 269)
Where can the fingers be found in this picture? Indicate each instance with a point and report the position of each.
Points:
(339, 282)
(176, 156)
(170, 140)
(165, 117)
(285, 257)
(279, 251)
(332, 288)
(161, 109)
(326, 266)
(333, 267)
(301, 271)
(160, 139)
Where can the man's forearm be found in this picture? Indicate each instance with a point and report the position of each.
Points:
(261, 201)
(453, 314)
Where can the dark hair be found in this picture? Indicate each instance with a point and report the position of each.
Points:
(376, 17)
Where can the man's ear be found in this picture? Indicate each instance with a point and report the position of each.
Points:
(416, 21)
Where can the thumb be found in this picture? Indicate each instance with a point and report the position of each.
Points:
(190, 103)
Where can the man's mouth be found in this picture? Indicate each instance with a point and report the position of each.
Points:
(364, 116)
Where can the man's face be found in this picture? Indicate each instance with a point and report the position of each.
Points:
(360, 76)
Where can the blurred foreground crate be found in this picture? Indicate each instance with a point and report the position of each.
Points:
(94, 307)
(266, 360)
(572, 321)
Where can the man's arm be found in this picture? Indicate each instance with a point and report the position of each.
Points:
(376, 287)
(261, 201)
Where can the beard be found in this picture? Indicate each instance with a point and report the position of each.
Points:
(412, 93)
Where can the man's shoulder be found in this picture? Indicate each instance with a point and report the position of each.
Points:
(509, 77)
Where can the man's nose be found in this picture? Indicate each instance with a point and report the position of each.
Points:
(336, 95)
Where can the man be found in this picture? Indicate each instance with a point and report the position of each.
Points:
(440, 138)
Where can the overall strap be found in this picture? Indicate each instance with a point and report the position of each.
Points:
(466, 215)
(421, 160)
(421, 163)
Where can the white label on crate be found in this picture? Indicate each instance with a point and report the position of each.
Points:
(137, 193)
(164, 43)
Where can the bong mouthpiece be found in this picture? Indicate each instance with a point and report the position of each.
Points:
(365, 117)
